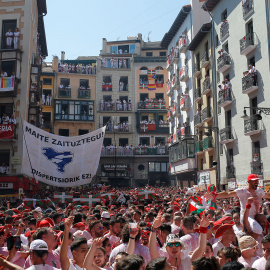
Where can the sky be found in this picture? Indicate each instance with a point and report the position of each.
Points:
(78, 26)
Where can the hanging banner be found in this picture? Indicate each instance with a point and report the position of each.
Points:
(6, 131)
(61, 161)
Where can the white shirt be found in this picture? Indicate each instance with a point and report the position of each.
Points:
(217, 246)
(41, 267)
(191, 242)
(259, 264)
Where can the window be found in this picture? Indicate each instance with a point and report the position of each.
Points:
(160, 117)
(123, 141)
(162, 54)
(159, 96)
(251, 61)
(83, 131)
(224, 15)
(46, 118)
(4, 157)
(143, 79)
(74, 110)
(107, 83)
(65, 82)
(210, 161)
(105, 120)
(141, 167)
(157, 167)
(123, 119)
(47, 81)
(122, 49)
(226, 47)
(143, 97)
(230, 156)
(163, 167)
(107, 98)
(221, 149)
(149, 54)
(123, 83)
(217, 41)
(6, 108)
(84, 83)
(6, 25)
(256, 150)
(218, 77)
(64, 132)
(159, 80)
(122, 98)
(143, 68)
(107, 141)
(160, 140)
(144, 140)
(8, 67)
(151, 166)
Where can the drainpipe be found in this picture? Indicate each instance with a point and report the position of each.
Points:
(267, 25)
(215, 112)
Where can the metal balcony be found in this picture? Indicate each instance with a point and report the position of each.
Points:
(205, 60)
(252, 126)
(169, 65)
(225, 98)
(183, 44)
(175, 58)
(206, 114)
(208, 143)
(223, 63)
(230, 172)
(206, 86)
(247, 44)
(175, 84)
(226, 135)
(256, 167)
(224, 31)
(184, 103)
(83, 93)
(197, 94)
(147, 105)
(169, 90)
(249, 83)
(198, 147)
(197, 119)
(64, 93)
(183, 74)
(248, 9)
(196, 70)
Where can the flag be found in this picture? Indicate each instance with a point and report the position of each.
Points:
(196, 205)
(144, 127)
(161, 105)
(109, 196)
(89, 200)
(7, 84)
(146, 194)
(151, 71)
(152, 127)
(62, 197)
(140, 151)
(29, 203)
(149, 105)
(151, 87)
(212, 202)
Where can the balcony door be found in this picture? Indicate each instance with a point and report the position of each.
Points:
(228, 118)
(6, 25)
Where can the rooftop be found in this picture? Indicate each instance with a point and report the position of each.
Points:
(209, 5)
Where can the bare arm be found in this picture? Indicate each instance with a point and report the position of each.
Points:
(224, 194)
(8, 265)
(131, 241)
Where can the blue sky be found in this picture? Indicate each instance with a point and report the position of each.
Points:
(77, 27)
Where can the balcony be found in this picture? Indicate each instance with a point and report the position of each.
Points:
(114, 127)
(169, 90)
(7, 132)
(175, 57)
(175, 83)
(198, 94)
(249, 83)
(206, 114)
(184, 103)
(183, 44)
(225, 97)
(205, 60)
(226, 135)
(252, 126)
(196, 70)
(64, 93)
(256, 167)
(206, 86)
(183, 74)
(8, 86)
(224, 31)
(198, 147)
(223, 63)
(208, 143)
(198, 119)
(247, 44)
(174, 110)
(156, 105)
(119, 63)
(157, 128)
(230, 172)
(169, 116)
(248, 9)
(83, 93)
(169, 65)
(178, 110)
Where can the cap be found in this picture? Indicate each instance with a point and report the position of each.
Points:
(247, 242)
(38, 245)
(223, 228)
(45, 223)
(222, 221)
(79, 225)
(190, 192)
(105, 214)
(172, 238)
(29, 233)
(38, 209)
(252, 177)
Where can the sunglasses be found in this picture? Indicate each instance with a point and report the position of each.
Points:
(100, 228)
(145, 233)
(177, 244)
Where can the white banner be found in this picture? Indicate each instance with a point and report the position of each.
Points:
(61, 161)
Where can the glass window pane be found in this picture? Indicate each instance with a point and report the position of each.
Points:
(151, 166)
(131, 48)
(190, 149)
(157, 167)
(163, 167)
(114, 49)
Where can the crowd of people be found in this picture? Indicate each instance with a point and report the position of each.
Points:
(129, 229)
(5, 119)
(118, 127)
(118, 105)
(79, 68)
(115, 63)
(46, 99)
(12, 39)
(4, 169)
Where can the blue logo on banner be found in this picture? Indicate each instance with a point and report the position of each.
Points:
(59, 159)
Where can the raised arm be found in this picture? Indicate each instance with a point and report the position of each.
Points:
(8, 265)
(224, 194)
(131, 242)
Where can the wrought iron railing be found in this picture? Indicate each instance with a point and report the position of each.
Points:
(248, 81)
(222, 61)
(226, 134)
(206, 113)
(246, 41)
(197, 119)
(224, 29)
(225, 95)
(256, 167)
(207, 142)
(247, 7)
(251, 124)
(206, 85)
(198, 146)
(230, 172)
(64, 93)
(197, 93)
(204, 58)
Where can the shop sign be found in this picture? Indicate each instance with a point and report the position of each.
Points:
(6, 185)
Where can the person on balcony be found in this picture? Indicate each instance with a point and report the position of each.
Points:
(121, 86)
(5, 119)
(12, 120)
(9, 37)
(124, 105)
(224, 55)
(125, 63)
(3, 168)
(3, 74)
(16, 38)
(252, 72)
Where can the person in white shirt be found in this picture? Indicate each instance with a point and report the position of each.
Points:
(16, 38)
(260, 263)
(3, 168)
(5, 119)
(9, 37)
(12, 120)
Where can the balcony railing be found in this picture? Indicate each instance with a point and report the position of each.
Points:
(83, 93)
(169, 90)
(248, 8)
(204, 60)
(206, 114)
(118, 128)
(224, 30)
(115, 106)
(247, 44)
(206, 86)
(252, 126)
(183, 44)
(197, 94)
(197, 69)
(197, 119)
(64, 93)
(130, 151)
(119, 63)
(226, 135)
(146, 105)
(249, 83)
(169, 64)
(208, 143)
(183, 74)
(256, 167)
(184, 103)
(230, 172)
(175, 83)
(198, 147)
(223, 63)
(225, 97)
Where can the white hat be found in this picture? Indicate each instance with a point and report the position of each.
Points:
(190, 191)
(171, 238)
(38, 209)
(106, 214)
(38, 245)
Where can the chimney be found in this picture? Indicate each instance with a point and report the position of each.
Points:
(63, 56)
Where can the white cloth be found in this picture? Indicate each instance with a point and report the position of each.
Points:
(238, 231)
(191, 242)
(259, 264)
(175, 229)
(246, 263)
(217, 246)
(41, 267)
(75, 267)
